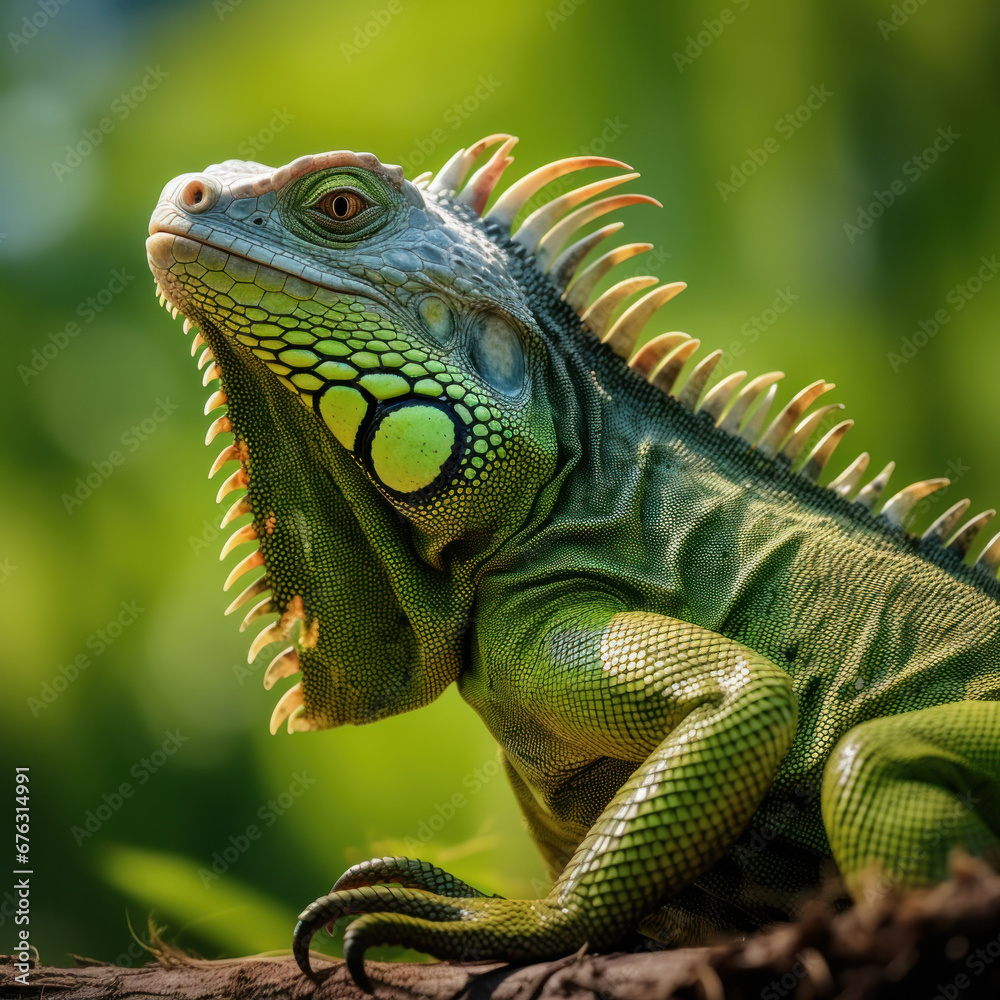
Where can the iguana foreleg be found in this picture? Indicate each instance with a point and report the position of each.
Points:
(901, 791)
(729, 717)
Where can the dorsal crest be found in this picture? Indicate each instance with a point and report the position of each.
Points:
(618, 318)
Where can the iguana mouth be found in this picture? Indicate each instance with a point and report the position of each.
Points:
(158, 249)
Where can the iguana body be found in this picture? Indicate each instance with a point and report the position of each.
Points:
(706, 673)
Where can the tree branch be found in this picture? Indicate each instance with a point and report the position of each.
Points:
(942, 943)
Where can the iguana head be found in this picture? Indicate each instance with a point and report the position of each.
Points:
(386, 376)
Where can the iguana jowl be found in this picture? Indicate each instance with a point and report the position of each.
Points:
(459, 469)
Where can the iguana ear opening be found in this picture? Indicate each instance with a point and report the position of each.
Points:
(374, 630)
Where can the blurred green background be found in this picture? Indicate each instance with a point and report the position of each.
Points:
(158, 698)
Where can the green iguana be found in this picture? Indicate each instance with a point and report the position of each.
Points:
(707, 673)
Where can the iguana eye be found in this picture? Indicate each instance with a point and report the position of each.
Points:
(338, 207)
(342, 204)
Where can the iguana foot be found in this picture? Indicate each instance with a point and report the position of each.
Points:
(468, 928)
(409, 873)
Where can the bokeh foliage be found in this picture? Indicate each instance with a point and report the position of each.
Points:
(266, 80)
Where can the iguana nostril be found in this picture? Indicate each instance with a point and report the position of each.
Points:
(197, 195)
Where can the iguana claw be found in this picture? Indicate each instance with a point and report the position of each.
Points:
(368, 899)
(419, 882)
(468, 929)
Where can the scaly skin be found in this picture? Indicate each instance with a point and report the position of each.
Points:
(707, 674)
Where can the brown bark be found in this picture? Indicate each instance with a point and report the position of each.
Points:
(941, 945)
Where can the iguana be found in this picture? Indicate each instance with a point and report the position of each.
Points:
(708, 674)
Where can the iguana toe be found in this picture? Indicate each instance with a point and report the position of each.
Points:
(410, 873)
